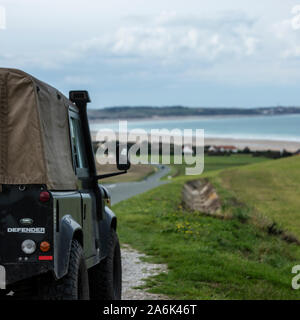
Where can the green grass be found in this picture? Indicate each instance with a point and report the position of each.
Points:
(218, 162)
(210, 258)
(271, 188)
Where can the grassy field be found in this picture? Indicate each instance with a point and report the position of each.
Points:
(136, 172)
(218, 162)
(141, 171)
(210, 258)
(271, 189)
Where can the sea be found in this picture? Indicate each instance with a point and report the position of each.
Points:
(279, 127)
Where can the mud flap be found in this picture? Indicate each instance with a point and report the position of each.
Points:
(2, 278)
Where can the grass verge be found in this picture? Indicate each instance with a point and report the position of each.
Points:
(211, 258)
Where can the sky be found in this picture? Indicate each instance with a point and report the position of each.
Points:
(216, 53)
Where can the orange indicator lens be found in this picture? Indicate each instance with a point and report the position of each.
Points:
(45, 246)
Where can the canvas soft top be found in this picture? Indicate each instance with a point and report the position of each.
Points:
(34, 133)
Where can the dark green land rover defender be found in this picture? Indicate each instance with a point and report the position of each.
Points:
(58, 235)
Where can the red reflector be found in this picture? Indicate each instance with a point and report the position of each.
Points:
(44, 196)
(45, 257)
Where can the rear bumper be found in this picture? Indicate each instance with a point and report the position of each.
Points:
(11, 273)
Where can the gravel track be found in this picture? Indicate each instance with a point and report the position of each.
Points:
(134, 271)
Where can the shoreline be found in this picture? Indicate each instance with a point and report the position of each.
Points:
(203, 117)
(255, 143)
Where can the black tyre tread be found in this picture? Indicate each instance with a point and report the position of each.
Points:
(101, 275)
(66, 288)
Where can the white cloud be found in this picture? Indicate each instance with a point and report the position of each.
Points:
(2, 18)
(295, 21)
(250, 45)
(155, 43)
(170, 36)
(287, 33)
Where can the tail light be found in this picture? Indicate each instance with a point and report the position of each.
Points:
(44, 196)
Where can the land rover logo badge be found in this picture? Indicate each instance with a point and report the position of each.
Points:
(26, 222)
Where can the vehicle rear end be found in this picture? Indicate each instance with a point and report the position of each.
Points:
(35, 156)
(26, 233)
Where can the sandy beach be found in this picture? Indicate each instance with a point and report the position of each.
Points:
(240, 143)
(253, 144)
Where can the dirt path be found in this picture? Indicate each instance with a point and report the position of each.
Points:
(134, 271)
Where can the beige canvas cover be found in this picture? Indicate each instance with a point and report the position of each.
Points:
(34, 133)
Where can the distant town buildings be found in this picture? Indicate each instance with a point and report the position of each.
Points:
(222, 149)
